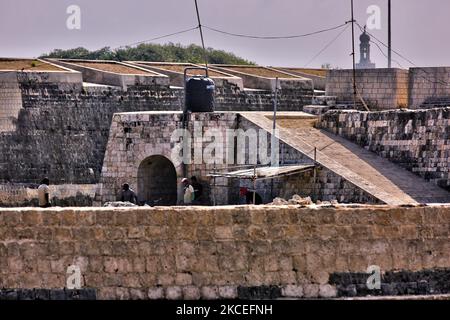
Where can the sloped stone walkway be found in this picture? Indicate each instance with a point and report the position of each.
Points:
(376, 175)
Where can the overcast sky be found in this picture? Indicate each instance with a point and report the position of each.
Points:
(420, 28)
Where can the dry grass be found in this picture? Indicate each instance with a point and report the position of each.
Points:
(180, 69)
(27, 65)
(295, 123)
(113, 67)
(314, 72)
(260, 71)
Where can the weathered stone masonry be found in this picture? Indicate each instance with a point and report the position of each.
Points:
(136, 137)
(328, 186)
(62, 132)
(429, 87)
(384, 89)
(193, 252)
(381, 89)
(417, 140)
(60, 128)
(10, 101)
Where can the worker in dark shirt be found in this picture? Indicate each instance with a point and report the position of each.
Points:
(127, 194)
(198, 190)
(249, 197)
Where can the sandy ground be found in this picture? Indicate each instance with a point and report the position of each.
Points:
(113, 67)
(27, 64)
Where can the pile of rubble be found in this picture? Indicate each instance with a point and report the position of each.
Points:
(298, 200)
(119, 204)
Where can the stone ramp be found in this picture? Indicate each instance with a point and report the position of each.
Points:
(376, 175)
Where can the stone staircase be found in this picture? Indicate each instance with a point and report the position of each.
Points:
(378, 176)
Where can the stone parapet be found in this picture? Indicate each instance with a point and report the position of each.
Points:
(417, 140)
(225, 252)
(380, 88)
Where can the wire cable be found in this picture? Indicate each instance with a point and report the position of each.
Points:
(274, 37)
(386, 56)
(326, 46)
(157, 38)
(442, 82)
(397, 53)
(87, 55)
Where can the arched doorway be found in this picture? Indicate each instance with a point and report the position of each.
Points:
(157, 181)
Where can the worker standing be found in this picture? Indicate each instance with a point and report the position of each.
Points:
(188, 192)
(127, 194)
(44, 193)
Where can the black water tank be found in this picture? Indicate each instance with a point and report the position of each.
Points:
(200, 94)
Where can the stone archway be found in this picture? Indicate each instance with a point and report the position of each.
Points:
(157, 181)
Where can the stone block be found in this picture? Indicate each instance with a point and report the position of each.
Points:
(209, 293)
(155, 293)
(327, 291)
(311, 290)
(224, 232)
(183, 279)
(292, 291)
(125, 219)
(31, 218)
(122, 293)
(137, 294)
(174, 293)
(165, 279)
(69, 218)
(228, 292)
(191, 293)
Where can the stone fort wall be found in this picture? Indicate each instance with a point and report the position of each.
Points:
(328, 185)
(10, 101)
(228, 252)
(384, 89)
(429, 87)
(381, 89)
(135, 137)
(26, 195)
(417, 140)
(61, 128)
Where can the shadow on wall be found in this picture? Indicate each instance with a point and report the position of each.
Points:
(436, 101)
(157, 181)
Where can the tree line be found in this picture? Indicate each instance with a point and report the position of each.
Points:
(151, 52)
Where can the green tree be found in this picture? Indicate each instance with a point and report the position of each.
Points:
(169, 52)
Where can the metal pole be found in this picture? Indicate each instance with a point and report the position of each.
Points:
(201, 36)
(389, 36)
(186, 146)
(353, 56)
(214, 185)
(275, 106)
(315, 174)
(254, 185)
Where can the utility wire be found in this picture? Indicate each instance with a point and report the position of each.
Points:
(397, 53)
(199, 27)
(123, 46)
(386, 56)
(87, 55)
(327, 46)
(441, 82)
(157, 38)
(274, 37)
